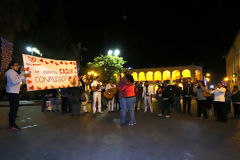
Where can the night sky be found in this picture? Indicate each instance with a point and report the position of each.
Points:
(153, 35)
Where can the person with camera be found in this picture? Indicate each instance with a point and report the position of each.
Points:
(201, 95)
(219, 102)
(187, 95)
(14, 80)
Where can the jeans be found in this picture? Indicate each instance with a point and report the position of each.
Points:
(14, 105)
(177, 104)
(54, 101)
(138, 99)
(127, 103)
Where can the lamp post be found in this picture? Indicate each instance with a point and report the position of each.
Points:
(30, 49)
(116, 52)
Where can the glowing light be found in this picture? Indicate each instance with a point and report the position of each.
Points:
(180, 85)
(116, 52)
(89, 73)
(110, 52)
(207, 79)
(211, 86)
(92, 72)
(95, 74)
(208, 75)
(29, 49)
(226, 79)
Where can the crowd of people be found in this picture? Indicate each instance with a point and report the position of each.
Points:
(130, 97)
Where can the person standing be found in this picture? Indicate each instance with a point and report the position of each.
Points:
(159, 97)
(177, 92)
(138, 94)
(187, 96)
(147, 96)
(84, 88)
(201, 97)
(127, 99)
(236, 101)
(96, 88)
(75, 96)
(12, 88)
(110, 104)
(166, 95)
(219, 102)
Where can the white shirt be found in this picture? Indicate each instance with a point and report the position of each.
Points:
(219, 94)
(13, 81)
(150, 91)
(109, 86)
(95, 83)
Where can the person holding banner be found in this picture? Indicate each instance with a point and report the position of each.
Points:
(74, 96)
(12, 88)
(96, 88)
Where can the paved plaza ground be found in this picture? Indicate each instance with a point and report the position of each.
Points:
(54, 136)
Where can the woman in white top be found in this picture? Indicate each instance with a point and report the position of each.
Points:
(13, 87)
(219, 102)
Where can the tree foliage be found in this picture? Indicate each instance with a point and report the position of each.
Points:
(107, 66)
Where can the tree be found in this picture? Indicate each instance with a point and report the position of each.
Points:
(107, 66)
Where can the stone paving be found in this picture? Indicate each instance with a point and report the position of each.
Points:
(57, 136)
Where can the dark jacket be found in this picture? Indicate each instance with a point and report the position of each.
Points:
(75, 94)
(236, 97)
(188, 89)
(167, 92)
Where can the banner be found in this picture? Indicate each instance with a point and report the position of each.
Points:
(48, 73)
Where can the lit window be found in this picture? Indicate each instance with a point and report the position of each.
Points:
(176, 75)
(141, 76)
(135, 76)
(166, 75)
(157, 76)
(186, 73)
(149, 76)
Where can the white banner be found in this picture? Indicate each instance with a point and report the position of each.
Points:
(48, 73)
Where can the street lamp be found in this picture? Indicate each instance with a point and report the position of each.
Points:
(110, 52)
(30, 49)
(226, 79)
(116, 52)
(208, 75)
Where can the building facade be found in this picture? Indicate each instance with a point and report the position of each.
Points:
(233, 64)
(173, 74)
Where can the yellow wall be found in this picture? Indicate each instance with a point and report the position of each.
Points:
(141, 76)
(157, 76)
(176, 75)
(135, 76)
(149, 76)
(166, 75)
(186, 73)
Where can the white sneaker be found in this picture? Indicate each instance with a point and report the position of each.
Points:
(167, 116)
(160, 115)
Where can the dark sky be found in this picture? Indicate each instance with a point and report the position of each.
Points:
(151, 34)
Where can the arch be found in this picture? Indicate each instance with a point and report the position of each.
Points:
(141, 76)
(186, 73)
(198, 74)
(135, 76)
(166, 75)
(157, 76)
(149, 76)
(176, 75)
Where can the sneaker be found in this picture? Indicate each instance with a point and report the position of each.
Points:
(130, 124)
(160, 115)
(167, 116)
(14, 128)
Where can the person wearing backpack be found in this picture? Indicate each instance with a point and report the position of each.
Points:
(14, 80)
